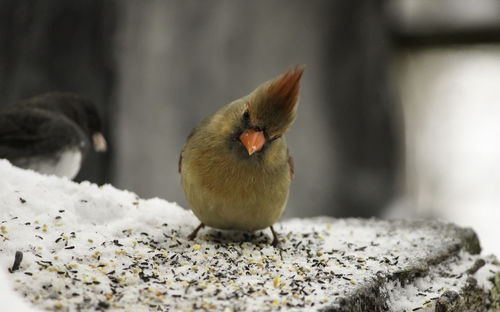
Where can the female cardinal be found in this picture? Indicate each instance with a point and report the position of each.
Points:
(235, 166)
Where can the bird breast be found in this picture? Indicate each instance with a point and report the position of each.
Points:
(227, 192)
(66, 164)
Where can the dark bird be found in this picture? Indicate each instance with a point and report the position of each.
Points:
(50, 133)
(235, 166)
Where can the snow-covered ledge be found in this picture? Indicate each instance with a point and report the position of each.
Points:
(87, 247)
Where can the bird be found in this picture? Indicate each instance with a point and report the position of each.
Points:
(235, 166)
(50, 133)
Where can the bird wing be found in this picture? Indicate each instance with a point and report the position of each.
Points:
(21, 126)
(180, 162)
(188, 138)
(291, 165)
(28, 132)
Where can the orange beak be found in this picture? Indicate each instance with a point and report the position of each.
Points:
(253, 140)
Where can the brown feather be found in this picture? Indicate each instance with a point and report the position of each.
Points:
(274, 103)
(292, 167)
(180, 163)
(284, 90)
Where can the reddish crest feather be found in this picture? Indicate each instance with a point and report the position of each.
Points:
(273, 106)
(284, 90)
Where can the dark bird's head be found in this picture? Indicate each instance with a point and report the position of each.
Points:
(76, 108)
(270, 110)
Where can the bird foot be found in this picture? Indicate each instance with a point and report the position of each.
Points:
(276, 241)
(195, 232)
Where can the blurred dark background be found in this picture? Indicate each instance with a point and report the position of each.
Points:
(156, 68)
(383, 120)
(61, 46)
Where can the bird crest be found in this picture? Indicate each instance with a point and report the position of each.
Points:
(274, 103)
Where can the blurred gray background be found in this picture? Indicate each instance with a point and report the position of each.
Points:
(156, 68)
(180, 61)
(399, 105)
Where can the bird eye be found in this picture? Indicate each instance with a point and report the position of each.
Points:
(246, 115)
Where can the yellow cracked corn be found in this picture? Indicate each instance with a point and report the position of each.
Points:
(276, 281)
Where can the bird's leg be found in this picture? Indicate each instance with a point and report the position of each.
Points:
(193, 235)
(275, 237)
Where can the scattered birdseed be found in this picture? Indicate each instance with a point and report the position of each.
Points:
(276, 281)
(112, 254)
(17, 261)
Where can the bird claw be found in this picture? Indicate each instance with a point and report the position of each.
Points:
(195, 232)
(276, 241)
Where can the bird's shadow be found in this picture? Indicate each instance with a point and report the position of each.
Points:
(228, 237)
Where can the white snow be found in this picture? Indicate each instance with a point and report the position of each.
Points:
(93, 213)
(87, 246)
(12, 301)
